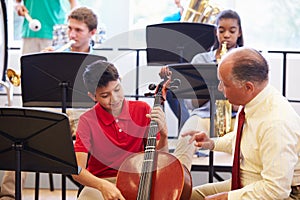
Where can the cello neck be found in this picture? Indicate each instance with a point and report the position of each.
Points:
(149, 161)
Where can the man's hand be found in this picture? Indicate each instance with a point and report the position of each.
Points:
(200, 138)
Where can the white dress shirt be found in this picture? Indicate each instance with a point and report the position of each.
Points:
(269, 148)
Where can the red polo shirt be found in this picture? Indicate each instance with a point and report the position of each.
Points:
(110, 140)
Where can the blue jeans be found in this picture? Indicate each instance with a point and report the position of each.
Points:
(178, 107)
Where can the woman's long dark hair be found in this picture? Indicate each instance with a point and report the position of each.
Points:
(229, 14)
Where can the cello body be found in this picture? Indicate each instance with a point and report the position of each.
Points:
(152, 174)
(170, 181)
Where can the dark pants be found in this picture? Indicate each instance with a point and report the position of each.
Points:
(178, 107)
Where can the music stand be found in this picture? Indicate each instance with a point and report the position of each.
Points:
(4, 40)
(54, 79)
(37, 141)
(199, 81)
(177, 42)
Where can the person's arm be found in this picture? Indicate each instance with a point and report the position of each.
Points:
(108, 190)
(200, 139)
(20, 8)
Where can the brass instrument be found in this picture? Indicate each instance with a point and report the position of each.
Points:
(200, 11)
(223, 108)
(13, 80)
(13, 77)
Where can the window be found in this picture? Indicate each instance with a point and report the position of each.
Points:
(267, 24)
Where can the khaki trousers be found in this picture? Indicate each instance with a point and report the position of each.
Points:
(8, 185)
(89, 193)
(184, 151)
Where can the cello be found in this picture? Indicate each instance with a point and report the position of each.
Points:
(152, 174)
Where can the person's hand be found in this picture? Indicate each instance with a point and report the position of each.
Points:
(165, 73)
(158, 115)
(200, 138)
(219, 196)
(48, 49)
(20, 9)
(111, 192)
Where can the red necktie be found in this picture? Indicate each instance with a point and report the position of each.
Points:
(236, 179)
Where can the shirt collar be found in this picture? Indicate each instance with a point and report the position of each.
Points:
(251, 107)
(108, 118)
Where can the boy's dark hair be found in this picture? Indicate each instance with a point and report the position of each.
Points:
(99, 74)
(85, 15)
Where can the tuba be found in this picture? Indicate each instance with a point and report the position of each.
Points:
(223, 108)
(200, 11)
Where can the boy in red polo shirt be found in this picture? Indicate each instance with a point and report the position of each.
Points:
(111, 131)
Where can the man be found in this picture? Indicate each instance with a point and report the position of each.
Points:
(269, 148)
(82, 25)
(49, 13)
(110, 131)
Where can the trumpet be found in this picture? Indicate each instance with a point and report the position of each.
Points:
(223, 107)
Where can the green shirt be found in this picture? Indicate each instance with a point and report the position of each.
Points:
(48, 12)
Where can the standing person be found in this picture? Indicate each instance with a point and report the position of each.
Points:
(175, 17)
(268, 164)
(229, 30)
(49, 13)
(111, 131)
(82, 23)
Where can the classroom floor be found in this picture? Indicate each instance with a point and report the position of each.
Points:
(46, 194)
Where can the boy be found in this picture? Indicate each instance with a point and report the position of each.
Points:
(111, 131)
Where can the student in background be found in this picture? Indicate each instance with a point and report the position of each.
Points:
(229, 30)
(49, 13)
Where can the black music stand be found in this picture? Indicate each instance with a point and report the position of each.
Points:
(54, 79)
(4, 36)
(29, 142)
(177, 42)
(199, 81)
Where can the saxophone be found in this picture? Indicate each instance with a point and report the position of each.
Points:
(223, 108)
